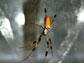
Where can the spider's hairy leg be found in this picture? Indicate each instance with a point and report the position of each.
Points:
(51, 46)
(37, 25)
(36, 45)
(34, 48)
(47, 48)
(45, 10)
(54, 17)
(34, 42)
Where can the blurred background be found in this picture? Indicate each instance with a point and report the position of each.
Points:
(16, 30)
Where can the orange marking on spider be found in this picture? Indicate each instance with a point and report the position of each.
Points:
(47, 22)
(45, 32)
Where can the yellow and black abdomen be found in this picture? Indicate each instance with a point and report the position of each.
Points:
(47, 22)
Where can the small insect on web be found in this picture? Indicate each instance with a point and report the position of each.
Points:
(45, 32)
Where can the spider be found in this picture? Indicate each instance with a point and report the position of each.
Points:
(45, 32)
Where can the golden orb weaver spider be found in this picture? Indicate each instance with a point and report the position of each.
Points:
(46, 29)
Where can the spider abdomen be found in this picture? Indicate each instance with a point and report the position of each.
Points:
(47, 22)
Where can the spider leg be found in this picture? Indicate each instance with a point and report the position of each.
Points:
(47, 48)
(54, 17)
(35, 47)
(34, 42)
(51, 46)
(45, 10)
(37, 25)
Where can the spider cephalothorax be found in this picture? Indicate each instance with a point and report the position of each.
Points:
(46, 31)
